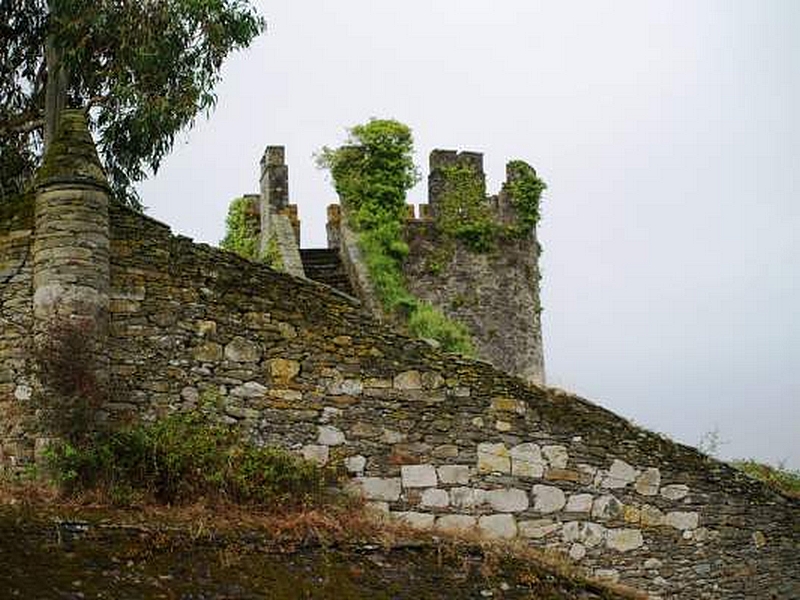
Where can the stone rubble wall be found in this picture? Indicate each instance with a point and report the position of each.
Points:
(16, 322)
(430, 438)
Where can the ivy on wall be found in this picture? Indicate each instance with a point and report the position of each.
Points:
(524, 188)
(242, 228)
(464, 214)
(372, 174)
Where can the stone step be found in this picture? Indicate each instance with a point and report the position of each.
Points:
(325, 266)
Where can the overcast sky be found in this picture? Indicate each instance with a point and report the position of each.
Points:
(668, 133)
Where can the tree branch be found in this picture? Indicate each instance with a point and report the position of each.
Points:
(25, 123)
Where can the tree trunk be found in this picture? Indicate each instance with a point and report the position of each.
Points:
(55, 96)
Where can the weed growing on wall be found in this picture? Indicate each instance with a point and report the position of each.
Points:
(70, 394)
(181, 458)
(242, 227)
(372, 175)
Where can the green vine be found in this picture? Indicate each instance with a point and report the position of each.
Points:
(272, 254)
(524, 188)
(242, 228)
(463, 211)
(371, 175)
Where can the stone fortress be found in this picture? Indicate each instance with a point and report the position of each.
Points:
(431, 438)
(495, 294)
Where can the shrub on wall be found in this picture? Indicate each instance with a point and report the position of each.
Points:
(372, 174)
(64, 359)
(183, 457)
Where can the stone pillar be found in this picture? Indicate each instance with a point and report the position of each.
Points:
(71, 241)
(275, 178)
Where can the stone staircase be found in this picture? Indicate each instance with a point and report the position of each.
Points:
(324, 266)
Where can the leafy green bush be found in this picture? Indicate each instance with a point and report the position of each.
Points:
(372, 174)
(183, 457)
(242, 227)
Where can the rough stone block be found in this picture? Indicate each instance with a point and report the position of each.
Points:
(623, 540)
(315, 453)
(283, 370)
(619, 475)
(455, 523)
(241, 350)
(587, 533)
(408, 380)
(418, 476)
(251, 389)
(355, 464)
(538, 528)
(650, 516)
(607, 507)
(493, 458)
(648, 482)
(548, 499)
(466, 497)
(415, 520)
(386, 489)
(527, 460)
(579, 503)
(507, 500)
(502, 404)
(207, 352)
(330, 435)
(435, 498)
(502, 526)
(577, 551)
(557, 456)
(454, 474)
(345, 387)
(682, 520)
(674, 491)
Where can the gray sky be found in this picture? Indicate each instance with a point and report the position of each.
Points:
(669, 136)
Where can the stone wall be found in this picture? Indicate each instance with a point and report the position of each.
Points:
(437, 440)
(433, 439)
(16, 324)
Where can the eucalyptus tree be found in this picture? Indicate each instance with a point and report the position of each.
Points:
(143, 70)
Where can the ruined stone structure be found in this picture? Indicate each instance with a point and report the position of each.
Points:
(494, 293)
(433, 439)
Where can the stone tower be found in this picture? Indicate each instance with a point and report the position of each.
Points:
(71, 271)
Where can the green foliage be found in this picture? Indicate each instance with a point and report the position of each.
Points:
(372, 174)
(525, 190)
(146, 70)
(463, 211)
(181, 458)
(786, 481)
(373, 171)
(242, 227)
(272, 255)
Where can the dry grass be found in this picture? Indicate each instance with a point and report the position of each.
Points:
(345, 524)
